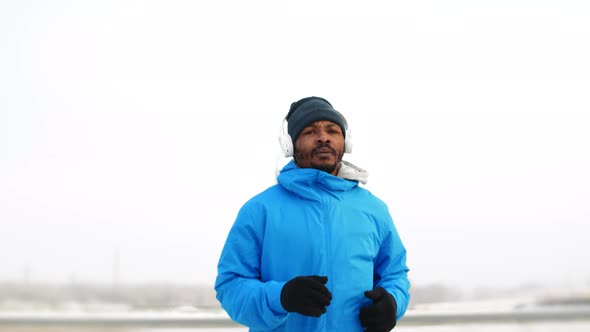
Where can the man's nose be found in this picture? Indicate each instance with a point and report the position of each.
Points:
(323, 136)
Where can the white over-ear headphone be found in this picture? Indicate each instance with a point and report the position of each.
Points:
(287, 143)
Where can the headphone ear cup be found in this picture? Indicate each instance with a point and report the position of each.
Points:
(348, 142)
(286, 144)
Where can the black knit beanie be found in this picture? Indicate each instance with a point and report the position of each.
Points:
(309, 110)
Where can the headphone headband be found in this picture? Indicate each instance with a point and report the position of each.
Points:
(304, 112)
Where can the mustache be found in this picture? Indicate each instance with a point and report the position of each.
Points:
(323, 146)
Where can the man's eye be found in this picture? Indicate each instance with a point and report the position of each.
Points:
(310, 132)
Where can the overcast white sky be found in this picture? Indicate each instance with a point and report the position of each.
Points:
(137, 129)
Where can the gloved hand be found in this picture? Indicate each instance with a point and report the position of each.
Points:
(380, 316)
(306, 295)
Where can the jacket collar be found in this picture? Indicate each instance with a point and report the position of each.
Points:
(311, 183)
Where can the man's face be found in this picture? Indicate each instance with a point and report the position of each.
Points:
(321, 146)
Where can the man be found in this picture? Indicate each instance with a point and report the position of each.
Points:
(315, 252)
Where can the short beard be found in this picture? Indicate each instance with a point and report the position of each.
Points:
(326, 168)
(320, 166)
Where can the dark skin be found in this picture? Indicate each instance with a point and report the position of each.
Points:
(321, 146)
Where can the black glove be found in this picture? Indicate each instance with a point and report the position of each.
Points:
(306, 295)
(380, 315)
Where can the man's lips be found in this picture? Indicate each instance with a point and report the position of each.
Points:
(323, 151)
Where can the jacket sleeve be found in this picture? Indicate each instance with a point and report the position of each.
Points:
(391, 271)
(239, 288)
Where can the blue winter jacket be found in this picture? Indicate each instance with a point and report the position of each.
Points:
(310, 223)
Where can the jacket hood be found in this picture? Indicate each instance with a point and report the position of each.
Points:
(312, 183)
(352, 172)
